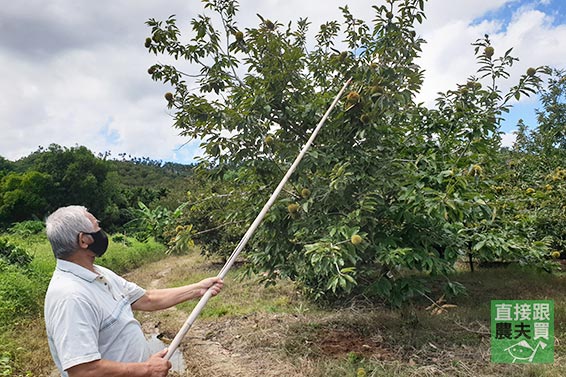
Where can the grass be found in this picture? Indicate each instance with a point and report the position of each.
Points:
(372, 340)
(280, 333)
(121, 256)
(24, 343)
(246, 297)
(294, 337)
(242, 296)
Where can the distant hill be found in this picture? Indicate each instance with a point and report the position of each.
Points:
(152, 181)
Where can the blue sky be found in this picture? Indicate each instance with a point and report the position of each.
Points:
(76, 72)
(554, 8)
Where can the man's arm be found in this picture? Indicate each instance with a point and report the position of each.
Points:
(155, 366)
(157, 299)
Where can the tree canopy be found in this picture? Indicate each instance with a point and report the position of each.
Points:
(390, 190)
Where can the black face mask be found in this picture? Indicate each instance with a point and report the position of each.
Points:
(100, 243)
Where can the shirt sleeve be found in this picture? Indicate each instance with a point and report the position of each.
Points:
(75, 332)
(133, 292)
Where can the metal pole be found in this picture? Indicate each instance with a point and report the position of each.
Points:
(204, 299)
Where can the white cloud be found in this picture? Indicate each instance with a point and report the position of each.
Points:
(442, 12)
(76, 73)
(448, 57)
(508, 138)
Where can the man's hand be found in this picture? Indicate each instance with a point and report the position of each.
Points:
(157, 365)
(215, 283)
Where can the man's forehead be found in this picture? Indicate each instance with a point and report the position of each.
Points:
(91, 217)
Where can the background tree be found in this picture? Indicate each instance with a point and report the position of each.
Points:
(5, 166)
(530, 181)
(78, 176)
(551, 130)
(24, 196)
(35, 185)
(54, 177)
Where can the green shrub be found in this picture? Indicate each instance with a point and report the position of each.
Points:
(121, 238)
(27, 228)
(122, 257)
(13, 254)
(19, 295)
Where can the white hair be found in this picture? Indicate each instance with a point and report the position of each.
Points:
(63, 227)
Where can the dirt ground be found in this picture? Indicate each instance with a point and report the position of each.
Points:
(210, 348)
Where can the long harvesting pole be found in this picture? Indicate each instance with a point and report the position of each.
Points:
(204, 299)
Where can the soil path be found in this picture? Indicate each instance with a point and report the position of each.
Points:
(209, 348)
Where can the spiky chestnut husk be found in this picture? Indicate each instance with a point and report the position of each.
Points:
(147, 42)
(476, 170)
(239, 36)
(365, 118)
(356, 239)
(169, 96)
(375, 89)
(269, 25)
(353, 97)
(268, 139)
(531, 72)
(293, 208)
(305, 193)
(489, 51)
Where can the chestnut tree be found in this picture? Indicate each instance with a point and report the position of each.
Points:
(390, 192)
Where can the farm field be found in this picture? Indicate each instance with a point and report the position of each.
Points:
(251, 330)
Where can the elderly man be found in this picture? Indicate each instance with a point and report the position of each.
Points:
(91, 328)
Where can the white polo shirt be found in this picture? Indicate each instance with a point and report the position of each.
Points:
(88, 317)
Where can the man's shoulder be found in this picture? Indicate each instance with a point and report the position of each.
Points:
(65, 286)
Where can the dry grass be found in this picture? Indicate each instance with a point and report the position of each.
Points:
(251, 330)
(27, 344)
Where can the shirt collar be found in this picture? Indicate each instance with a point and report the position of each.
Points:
(75, 269)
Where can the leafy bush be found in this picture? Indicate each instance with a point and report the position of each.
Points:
(13, 254)
(153, 222)
(5, 364)
(19, 295)
(27, 228)
(122, 257)
(121, 238)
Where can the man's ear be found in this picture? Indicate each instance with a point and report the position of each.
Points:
(82, 241)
